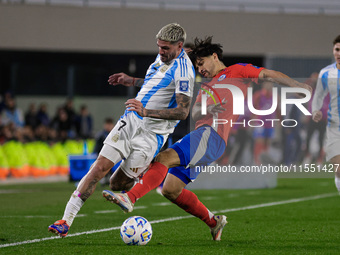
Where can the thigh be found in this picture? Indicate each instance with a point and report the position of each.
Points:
(120, 136)
(144, 147)
(200, 147)
(332, 147)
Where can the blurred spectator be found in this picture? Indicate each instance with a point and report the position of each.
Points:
(291, 136)
(100, 137)
(42, 115)
(27, 133)
(12, 114)
(4, 99)
(84, 123)
(263, 100)
(31, 118)
(41, 133)
(62, 125)
(71, 113)
(6, 133)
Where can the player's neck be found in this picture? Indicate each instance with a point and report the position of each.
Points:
(220, 69)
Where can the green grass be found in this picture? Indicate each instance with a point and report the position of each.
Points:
(306, 227)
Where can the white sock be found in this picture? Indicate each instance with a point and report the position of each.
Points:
(72, 208)
(337, 183)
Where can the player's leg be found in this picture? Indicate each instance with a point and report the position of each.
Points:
(332, 152)
(258, 136)
(173, 190)
(84, 190)
(155, 175)
(336, 162)
(120, 181)
(151, 180)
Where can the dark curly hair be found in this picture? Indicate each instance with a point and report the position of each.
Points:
(336, 40)
(204, 48)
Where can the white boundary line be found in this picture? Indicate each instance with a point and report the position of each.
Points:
(295, 200)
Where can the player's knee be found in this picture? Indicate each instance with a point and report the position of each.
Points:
(170, 193)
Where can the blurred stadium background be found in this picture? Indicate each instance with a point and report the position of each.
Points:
(54, 50)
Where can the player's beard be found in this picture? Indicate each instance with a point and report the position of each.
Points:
(167, 58)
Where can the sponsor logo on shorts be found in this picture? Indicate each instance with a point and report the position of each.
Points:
(134, 169)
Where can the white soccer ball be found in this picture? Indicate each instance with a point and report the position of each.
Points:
(136, 230)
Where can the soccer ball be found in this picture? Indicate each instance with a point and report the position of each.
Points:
(136, 230)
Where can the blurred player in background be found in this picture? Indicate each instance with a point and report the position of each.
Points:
(140, 133)
(329, 83)
(263, 100)
(207, 142)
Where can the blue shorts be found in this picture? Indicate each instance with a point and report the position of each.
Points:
(200, 147)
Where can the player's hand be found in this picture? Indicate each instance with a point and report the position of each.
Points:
(136, 106)
(307, 87)
(215, 108)
(121, 78)
(317, 116)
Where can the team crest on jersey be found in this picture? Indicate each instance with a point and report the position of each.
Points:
(157, 65)
(222, 77)
(115, 138)
(164, 68)
(184, 86)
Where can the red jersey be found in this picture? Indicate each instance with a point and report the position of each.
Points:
(239, 75)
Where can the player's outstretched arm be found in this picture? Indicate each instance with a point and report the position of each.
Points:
(282, 79)
(124, 79)
(179, 113)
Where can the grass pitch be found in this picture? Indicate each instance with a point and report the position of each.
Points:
(300, 216)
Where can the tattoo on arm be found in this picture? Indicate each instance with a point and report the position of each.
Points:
(138, 82)
(179, 113)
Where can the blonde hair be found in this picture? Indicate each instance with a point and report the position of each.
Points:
(172, 33)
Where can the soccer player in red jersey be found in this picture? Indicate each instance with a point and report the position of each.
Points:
(207, 142)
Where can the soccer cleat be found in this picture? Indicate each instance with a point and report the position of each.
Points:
(216, 231)
(121, 199)
(59, 227)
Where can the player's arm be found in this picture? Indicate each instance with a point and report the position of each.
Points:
(282, 79)
(179, 113)
(211, 109)
(126, 80)
(318, 99)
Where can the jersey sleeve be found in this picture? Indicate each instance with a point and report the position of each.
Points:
(184, 77)
(321, 91)
(250, 71)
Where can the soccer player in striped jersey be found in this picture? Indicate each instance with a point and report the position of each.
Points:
(207, 142)
(163, 100)
(329, 83)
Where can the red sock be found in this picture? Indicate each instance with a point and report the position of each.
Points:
(151, 180)
(189, 202)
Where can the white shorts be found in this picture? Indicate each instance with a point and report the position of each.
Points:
(332, 148)
(133, 143)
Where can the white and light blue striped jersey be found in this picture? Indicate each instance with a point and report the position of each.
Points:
(162, 82)
(329, 83)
